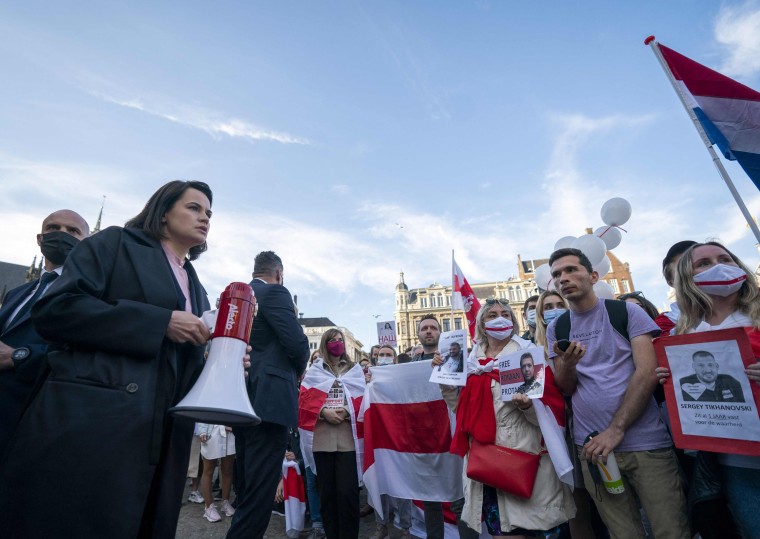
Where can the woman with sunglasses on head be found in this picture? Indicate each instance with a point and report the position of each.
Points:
(328, 407)
(482, 416)
(715, 290)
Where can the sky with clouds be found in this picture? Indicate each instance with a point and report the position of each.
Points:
(358, 139)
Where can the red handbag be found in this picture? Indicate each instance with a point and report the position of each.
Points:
(503, 468)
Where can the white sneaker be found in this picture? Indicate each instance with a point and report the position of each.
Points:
(195, 497)
(211, 514)
(227, 509)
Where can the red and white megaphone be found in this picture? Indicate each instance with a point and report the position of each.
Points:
(219, 397)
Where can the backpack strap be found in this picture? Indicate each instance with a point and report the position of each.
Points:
(617, 310)
(562, 327)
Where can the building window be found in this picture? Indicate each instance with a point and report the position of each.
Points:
(448, 300)
(519, 293)
(446, 324)
(403, 327)
(423, 302)
(312, 346)
(502, 294)
(512, 295)
(440, 299)
(626, 286)
(614, 284)
(457, 323)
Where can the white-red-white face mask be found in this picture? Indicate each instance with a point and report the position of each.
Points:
(720, 280)
(499, 328)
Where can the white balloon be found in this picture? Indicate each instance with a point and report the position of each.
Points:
(591, 246)
(610, 235)
(564, 242)
(616, 211)
(604, 290)
(542, 275)
(603, 267)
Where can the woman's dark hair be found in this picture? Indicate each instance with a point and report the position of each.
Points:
(149, 220)
(647, 305)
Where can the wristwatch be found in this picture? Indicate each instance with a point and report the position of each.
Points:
(19, 355)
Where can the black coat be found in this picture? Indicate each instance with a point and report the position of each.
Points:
(16, 384)
(95, 454)
(279, 354)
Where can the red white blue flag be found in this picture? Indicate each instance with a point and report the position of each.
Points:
(728, 110)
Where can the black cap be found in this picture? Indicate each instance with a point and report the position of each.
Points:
(675, 250)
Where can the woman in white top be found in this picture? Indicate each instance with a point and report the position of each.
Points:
(715, 290)
(217, 442)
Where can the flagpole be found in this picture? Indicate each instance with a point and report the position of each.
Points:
(652, 42)
(452, 290)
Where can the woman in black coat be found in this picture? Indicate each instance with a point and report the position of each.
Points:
(95, 454)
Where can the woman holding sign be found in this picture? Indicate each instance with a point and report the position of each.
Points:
(484, 421)
(328, 406)
(715, 290)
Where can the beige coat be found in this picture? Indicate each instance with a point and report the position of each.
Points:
(552, 501)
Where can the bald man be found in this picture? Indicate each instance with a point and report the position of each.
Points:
(21, 348)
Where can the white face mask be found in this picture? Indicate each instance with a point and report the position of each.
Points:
(720, 280)
(384, 360)
(531, 318)
(499, 328)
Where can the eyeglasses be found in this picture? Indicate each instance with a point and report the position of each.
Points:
(493, 301)
(634, 294)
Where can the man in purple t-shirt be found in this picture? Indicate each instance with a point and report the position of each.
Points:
(611, 380)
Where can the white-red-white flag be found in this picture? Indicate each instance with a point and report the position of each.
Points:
(407, 435)
(462, 296)
(295, 498)
(317, 384)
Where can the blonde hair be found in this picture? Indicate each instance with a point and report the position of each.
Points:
(480, 320)
(695, 304)
(540, 336)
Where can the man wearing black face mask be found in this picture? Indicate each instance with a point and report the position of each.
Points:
(21, 347)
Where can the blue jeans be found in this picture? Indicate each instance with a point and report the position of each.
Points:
(312, 496)
(742, 486)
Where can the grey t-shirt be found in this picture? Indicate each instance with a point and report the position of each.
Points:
(604, 373)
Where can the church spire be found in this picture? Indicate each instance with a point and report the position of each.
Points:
(100, 217)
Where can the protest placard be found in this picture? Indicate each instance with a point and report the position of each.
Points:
(453, 349)
(522, 372)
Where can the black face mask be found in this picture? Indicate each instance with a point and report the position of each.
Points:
(56, 246)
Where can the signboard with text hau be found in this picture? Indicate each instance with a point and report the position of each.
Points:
(712, 404)
(386, 333)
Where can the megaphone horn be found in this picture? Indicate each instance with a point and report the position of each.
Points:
(219, 397)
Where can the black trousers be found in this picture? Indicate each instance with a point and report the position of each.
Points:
(259, 452)
(338, 488)
(434, 520)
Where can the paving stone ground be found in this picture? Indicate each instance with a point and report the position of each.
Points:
(192, 525)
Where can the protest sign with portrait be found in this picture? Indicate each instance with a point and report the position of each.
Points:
(386, 333)
(522, 372)
(453, 349)
(711, 403)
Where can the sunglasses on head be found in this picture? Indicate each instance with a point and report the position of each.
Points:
(493, 301)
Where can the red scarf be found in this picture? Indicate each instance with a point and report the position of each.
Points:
(475, 413)
(476, 416)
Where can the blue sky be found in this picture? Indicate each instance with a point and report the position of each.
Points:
(491, 128)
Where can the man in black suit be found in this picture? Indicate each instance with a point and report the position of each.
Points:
(278, 358)
(21, 348)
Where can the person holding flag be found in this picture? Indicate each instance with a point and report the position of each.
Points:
(332, 441)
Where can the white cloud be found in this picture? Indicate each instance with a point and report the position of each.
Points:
(212, 122)
(738, 30)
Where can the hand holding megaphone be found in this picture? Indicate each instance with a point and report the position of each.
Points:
(219, 396)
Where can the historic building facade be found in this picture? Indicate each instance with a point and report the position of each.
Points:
(314, 328)
(413, 304)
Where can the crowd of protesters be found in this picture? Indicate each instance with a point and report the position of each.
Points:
(126, 343)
